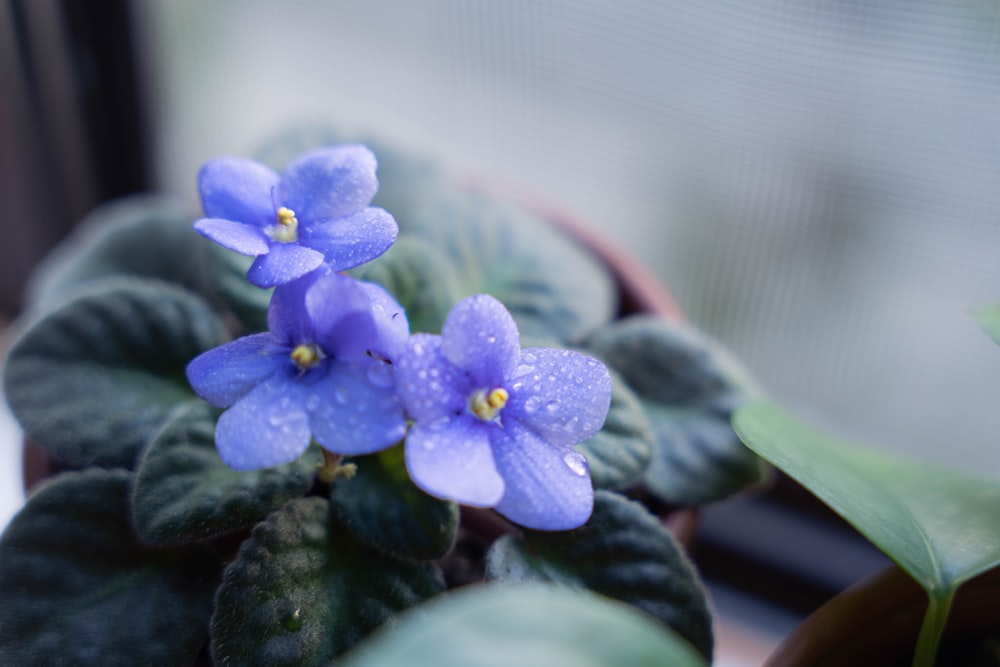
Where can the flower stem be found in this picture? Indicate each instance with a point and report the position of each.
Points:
(931, 630)
(333, 468)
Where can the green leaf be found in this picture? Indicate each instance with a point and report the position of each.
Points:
(939, 525)
(689, 388)
(623, 552)
(421, 279)
(621, 450)
(302, 590)
(552, 286)
(384, 509)
(78, 588)
(150, 236)
(496, 626)
(96, 377)
(184, 493)
(989, 319)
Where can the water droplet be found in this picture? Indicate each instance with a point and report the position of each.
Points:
(552, 406)
(341, 395)
(576, 462)
(529, 358)
(381, 375)
(418, 348)
(312, 402)
(293, 621)
(491, 339)
(532, 404)
(422, 374)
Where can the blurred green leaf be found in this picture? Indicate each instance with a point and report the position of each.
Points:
(150, 236)
(79, 589)
(302, 590)
(989, 319)
(621, 450)
(184, 493)
(688, 388)
(537, 626)
(623, 552)
(95, 378)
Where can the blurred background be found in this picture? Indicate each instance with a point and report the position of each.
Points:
(817, 183)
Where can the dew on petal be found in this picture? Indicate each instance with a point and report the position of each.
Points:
(552, 406)
(532, 404)
(576, 462)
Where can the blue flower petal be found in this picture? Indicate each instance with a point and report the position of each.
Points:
(428, 384)
(238, 189)
(451, 458)
(392, 328)
(561, 395)
(227, 373)
(329, 183)
(340, 312)
(244, 239)
(352, 240)
(283, 264)
(480, 337)
(547, 488)
(268, 427)
(350, 414)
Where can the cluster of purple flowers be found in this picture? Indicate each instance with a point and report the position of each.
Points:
(486, 423)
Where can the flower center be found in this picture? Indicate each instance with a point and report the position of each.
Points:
(306, 356)
(487, 405)
(287, 228)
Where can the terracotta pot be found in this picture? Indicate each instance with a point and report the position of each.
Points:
(875, 623)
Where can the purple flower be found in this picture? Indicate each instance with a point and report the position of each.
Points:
(494, 425)
(316, 212)
(322, 371)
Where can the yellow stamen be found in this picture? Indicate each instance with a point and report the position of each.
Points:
(286, 231)
(488, 406)
(306, 356)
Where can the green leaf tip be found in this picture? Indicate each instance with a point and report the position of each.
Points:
(939, 525)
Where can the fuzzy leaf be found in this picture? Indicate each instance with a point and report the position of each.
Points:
(689, 389)
(302, 590)
(552, 286)
(184, 493)
(494, 626)
(78, 588)
(420, 278)
(150, 236)
(622, 552)
(95, 378)
(621, 450)
(384, 509)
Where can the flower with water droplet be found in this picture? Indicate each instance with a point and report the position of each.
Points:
(310, 376)
(316, 212)
(499, 429)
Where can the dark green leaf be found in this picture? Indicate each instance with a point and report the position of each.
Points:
(621, 450)
(95, 378)
(421, 279)
(150, 236)
(302, 590)
(184, 492)
(386, 511)
(552, 285)
(622, 552)
(689, 389)
(79, 589)
(497, 626)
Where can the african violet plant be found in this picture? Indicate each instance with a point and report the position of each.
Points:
(266, 468)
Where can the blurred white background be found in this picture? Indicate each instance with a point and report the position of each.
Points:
(815, 182)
